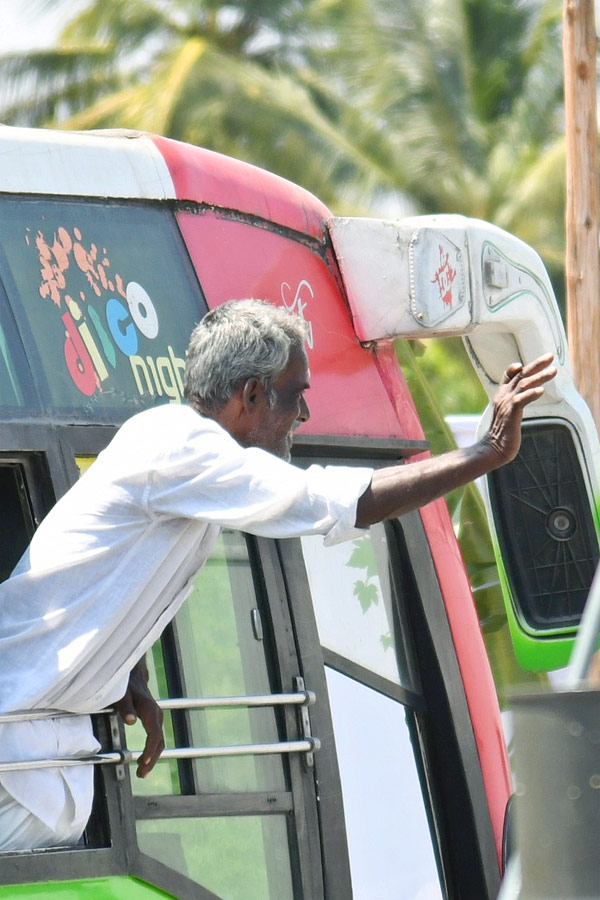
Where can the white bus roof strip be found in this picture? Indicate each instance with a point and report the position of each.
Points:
(104, 164)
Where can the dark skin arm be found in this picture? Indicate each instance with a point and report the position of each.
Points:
(138, 703)
(396, 490)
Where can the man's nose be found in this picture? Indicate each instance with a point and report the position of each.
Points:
(304, 410)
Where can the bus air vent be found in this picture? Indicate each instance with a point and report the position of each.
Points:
(545, 528)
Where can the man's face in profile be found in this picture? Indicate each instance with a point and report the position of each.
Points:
(274, 426)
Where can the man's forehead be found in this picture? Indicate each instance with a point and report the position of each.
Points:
(297, 369)
(303, 368)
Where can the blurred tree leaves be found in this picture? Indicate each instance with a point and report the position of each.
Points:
(377, 106)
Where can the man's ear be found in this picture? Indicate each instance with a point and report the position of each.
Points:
(251, 394)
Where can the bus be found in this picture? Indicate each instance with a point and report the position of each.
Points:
(333, 728)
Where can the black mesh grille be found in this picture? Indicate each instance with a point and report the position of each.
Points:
(545, 527)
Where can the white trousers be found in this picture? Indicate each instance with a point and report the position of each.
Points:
(21, 830)
(45, 807)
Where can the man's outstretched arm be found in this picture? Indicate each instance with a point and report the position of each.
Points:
(396, 490)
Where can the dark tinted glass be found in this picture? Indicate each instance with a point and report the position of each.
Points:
(16, 520)
(104, 297)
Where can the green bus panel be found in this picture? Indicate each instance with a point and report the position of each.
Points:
(114, 888)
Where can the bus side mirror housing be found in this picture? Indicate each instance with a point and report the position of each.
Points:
(437, 276)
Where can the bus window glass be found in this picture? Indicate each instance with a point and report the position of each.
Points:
(350, 584)
(17, 389)
(237, 858)
(221, 651)
(10, 389)
(389, 840)
(223, 655)
(16, 521)
(93, 286)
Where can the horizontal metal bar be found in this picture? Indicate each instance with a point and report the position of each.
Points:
(180, 806)
(35, 715)
(128, 756)
(299, 698)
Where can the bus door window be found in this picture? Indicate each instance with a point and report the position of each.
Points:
(222, 838)
(374, 696)
(350, 584)
(389, 839)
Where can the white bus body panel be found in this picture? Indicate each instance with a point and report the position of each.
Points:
(119, 165)
(447, 275)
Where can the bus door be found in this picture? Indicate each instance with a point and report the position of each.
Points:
(239, 817)
(412, 805)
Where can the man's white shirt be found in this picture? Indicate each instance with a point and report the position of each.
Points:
(113, 561)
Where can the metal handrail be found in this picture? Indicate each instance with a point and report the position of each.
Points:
(119, 757)
(301, 698)
(297, 698)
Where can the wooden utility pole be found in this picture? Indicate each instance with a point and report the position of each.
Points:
(583, 286)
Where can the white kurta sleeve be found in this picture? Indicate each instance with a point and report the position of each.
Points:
(211, 477)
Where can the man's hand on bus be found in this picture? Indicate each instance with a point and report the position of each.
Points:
(520, 385)
(138, 703)
(396, 490)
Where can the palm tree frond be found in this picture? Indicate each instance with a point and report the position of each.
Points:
(38, 83)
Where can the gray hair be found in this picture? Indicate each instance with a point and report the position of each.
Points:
(238, 340)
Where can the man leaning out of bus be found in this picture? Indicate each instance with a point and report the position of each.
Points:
(112, 562)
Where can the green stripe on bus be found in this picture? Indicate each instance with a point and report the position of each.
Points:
(115, 888)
